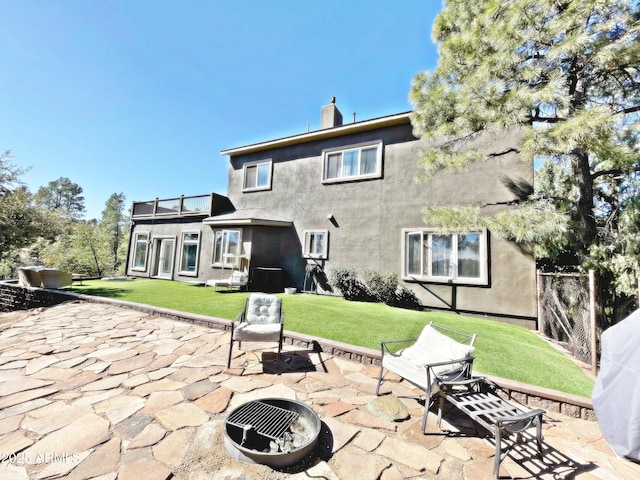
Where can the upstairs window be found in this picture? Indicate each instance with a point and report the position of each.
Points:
(226, 247)
(447, 258)
(141, 243)
(352, 163)
(189, 258)
(316, 243)
(257, 176)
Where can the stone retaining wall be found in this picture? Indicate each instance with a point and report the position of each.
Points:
(14, 297)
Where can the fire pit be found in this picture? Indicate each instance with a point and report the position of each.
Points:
(271, 431)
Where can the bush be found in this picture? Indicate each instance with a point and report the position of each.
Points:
(374, 287)
(405, 298)
(382, 287)
(346, 280)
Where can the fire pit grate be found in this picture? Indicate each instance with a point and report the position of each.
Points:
(268, 420)
(278, 432)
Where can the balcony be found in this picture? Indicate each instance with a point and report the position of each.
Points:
(175, 207)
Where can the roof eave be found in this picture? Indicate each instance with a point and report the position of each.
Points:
(246, 222)
(387, 121)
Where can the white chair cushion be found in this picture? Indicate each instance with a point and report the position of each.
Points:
(239, 278)
(432, 344)
(263, 309)
(416, 374)
(430, 348)
(257, 332)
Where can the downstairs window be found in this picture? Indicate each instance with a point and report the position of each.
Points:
(316, 243)
(141, 243)
(445, 257)
(226, 247)
(189, 258)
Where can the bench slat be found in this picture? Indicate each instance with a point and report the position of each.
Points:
(491, 411)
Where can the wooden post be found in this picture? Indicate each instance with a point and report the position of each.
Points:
(594, 323)
(539, 301)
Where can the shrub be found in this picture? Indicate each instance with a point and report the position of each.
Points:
(374, 287)
(405, 298)
(382, 286)
(386, 289)
(346, 280)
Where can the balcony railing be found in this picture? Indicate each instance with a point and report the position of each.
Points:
(174, 207)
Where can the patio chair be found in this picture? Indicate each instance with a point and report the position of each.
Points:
(54, 278)
(43, 277)
(431, 359)
(29, 276)
(261, 320)
(236, 281)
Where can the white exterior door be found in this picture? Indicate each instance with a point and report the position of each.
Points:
(165, 258)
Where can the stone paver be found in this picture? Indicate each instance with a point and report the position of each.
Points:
(53, 417)
(119, 408)
(172, 449)
(98, 391)
(138, 464)
(216, 401)
(151, 435)
(101, 461)
(196, 390)
(181, 415)
(21, 397)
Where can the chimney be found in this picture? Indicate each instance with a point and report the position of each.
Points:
(331, 116)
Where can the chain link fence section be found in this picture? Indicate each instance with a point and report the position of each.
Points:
(564, 312)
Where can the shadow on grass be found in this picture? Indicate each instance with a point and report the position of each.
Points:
(102, 292)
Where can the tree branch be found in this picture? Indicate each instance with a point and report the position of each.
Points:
(613, 171)
(635, 108)
(504, 152)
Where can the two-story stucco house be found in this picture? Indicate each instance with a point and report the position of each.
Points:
(344, 196)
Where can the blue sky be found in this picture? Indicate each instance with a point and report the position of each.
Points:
(140, 96)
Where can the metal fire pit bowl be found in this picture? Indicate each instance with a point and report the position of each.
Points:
(271, 431)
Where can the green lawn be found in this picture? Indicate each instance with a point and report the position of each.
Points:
(502, 349)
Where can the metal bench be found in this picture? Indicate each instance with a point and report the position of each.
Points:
(479, 401)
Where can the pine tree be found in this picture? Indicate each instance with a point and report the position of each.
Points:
(113, 226)
(64, 196)
(566, 74)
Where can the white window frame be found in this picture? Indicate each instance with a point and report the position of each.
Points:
(184, 242)
(453, 276)
(225, 247)
(308, 251)
(357, 149)
(136, 241)
(268, 164)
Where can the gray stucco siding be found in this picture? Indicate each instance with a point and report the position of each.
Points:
(173, 229)
(370, 215)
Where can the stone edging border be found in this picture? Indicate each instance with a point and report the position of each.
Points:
(530, 395)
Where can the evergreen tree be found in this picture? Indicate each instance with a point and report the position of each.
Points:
(113, 225)
(566, 74)
(62, 195)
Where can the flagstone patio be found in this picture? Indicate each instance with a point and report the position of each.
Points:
(95, 391)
